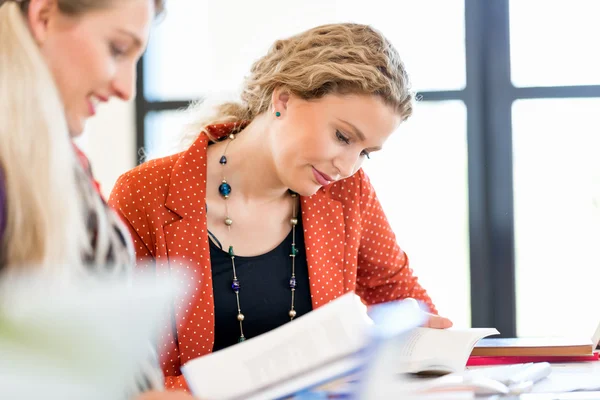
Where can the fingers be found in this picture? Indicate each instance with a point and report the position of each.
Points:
(437, 322)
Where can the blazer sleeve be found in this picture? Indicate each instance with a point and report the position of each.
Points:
(384, 273)
(123, 201)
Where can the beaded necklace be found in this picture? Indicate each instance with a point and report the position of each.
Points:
(225, 192)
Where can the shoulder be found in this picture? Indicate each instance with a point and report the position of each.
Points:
(159, 169)
(148, 180)
(351, 189)
(355, 195)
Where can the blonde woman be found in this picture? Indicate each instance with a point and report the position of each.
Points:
(268, 212)
(59, 59)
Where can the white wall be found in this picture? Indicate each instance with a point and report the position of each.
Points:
(109, 142)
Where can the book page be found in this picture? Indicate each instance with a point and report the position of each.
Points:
(443, 350)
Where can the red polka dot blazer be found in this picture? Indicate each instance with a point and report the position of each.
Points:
(349, 245)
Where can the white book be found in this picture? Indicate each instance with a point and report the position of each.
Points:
(324, 338)
(438, 351)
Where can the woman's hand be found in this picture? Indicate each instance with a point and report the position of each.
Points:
(437, 322)
(168, 395)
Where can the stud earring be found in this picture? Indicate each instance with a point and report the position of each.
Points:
(278, 114)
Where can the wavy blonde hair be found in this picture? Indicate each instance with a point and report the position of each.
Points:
(330, 59)
(45, 216)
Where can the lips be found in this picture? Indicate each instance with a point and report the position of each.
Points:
(322, 179)
(93, 102)
(92, 108)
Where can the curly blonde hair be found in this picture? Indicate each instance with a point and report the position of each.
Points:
(340, 59)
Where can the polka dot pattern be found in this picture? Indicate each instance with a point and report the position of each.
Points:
(349, 245)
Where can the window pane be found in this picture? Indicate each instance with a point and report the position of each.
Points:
(421, 180)
(201, 47)
(557, 219)
(554, 43)
(163, 133)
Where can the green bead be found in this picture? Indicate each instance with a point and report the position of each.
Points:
(231, 251)
(278, 114)
(241, 339)
(294, 250)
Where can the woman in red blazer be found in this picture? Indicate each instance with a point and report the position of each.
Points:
(267, 215)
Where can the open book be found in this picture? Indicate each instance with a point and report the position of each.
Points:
(327, 343)
(438, 351)
(307, 351)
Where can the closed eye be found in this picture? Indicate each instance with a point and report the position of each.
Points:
(344, 139)
(116, 51)
(341, 137)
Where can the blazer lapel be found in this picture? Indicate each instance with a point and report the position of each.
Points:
(186, 242)
(324, 247)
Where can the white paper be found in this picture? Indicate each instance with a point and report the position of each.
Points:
(76, 338)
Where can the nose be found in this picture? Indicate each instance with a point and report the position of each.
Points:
(124, 83)
(347, 164)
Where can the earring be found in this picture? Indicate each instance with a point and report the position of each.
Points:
(278, 114)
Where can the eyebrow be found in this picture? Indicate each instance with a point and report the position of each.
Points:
(136, 39)
(358, 133)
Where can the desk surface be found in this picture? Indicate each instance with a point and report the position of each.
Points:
(563, 381)
(559, 385)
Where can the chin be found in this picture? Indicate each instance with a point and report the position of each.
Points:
(306, 190)
(76, 128)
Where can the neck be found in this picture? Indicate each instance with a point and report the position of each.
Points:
(250, 168)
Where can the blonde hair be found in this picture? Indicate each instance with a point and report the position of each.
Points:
(78, 7)
(330, 59)
(46, 221)
(44, 215)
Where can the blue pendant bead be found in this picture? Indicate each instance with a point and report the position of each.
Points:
(293, 283)
(224, 189)
(223, 160)
(235, 285)
(241, 339)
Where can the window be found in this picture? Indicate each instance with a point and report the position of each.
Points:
(494, 173)
(421, 181)
(557, 219)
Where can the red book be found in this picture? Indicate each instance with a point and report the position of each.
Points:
(502, 360)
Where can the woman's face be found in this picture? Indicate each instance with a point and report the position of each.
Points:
(92, 56)
(318, 142)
